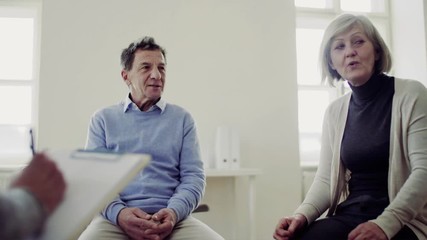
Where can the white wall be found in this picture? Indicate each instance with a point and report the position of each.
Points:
(229, 62)
(409, 39)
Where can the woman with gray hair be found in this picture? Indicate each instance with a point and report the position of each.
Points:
(373, 162)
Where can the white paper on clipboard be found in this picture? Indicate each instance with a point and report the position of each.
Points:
(93, 179)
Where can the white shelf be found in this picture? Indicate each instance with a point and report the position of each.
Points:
(232, 172)
(250, 173)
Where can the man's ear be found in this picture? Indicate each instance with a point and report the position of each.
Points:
(124, 74)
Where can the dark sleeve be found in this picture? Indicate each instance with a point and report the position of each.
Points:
(21, 215)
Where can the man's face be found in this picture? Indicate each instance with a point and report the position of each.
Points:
(146, 78)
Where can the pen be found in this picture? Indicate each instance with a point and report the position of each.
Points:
(32, 142)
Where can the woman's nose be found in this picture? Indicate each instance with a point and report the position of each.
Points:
(350, 52)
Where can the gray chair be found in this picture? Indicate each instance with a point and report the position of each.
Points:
(201, 208)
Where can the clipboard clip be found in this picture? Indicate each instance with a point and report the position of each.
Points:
(96, 154)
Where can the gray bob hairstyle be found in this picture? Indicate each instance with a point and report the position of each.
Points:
(342, 24)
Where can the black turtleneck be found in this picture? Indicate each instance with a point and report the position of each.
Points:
(366, 141)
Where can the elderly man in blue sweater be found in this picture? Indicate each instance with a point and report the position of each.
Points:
(157, 204)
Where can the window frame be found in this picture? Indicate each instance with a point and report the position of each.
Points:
(25, 9)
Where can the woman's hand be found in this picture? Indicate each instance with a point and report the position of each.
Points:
(367, 230)
(288, 226)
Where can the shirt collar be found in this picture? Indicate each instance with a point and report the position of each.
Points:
(129, 105)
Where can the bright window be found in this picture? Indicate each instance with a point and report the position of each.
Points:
(320, 4)
(366, 6)
(308, 43)
(16, 47)
(363, 6)
(19, 50)
(15, 105)
(313, 97)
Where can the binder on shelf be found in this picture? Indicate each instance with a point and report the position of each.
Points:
(235, 149)
(227, 148)
(222, 149)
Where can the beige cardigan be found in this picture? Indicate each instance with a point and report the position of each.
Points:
(407, 179)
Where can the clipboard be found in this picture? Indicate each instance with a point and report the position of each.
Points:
(93, 179)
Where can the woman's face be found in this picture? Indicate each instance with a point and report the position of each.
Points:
(353, 56)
